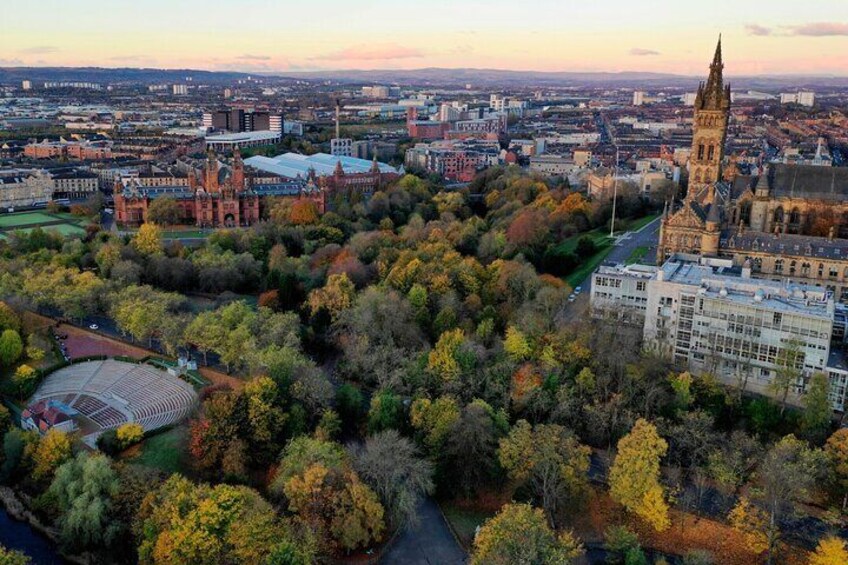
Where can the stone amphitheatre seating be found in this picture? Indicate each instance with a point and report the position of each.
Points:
(111, 392)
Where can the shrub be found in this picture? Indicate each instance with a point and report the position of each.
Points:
(129, 434)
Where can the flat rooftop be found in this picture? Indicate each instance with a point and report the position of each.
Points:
(635, 270)
(730, 283)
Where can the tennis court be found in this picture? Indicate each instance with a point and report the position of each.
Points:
(63, 224)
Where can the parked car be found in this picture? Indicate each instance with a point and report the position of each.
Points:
(572, 297)
(578, 289)
(93, 327)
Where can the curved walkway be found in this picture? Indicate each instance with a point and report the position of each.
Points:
(430, 543)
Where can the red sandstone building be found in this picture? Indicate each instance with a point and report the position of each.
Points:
(219, 198)
(227, 197)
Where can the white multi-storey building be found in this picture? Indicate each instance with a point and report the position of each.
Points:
(711, 317)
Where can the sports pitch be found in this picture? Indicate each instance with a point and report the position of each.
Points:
(63, 224)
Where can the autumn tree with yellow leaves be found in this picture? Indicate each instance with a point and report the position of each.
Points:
(520, 533)
(550, 461)
(53, 450)
(635, 475)
(148, 239)
(830, 551)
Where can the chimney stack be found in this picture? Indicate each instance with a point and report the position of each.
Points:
(338, 111)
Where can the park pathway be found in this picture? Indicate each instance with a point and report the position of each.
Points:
(430, 543)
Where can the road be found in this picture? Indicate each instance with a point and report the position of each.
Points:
(629, 241)
(624, 246)
(430, 543)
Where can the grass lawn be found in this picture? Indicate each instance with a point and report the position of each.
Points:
(464, 521)
(186, 234)
(177, 233)
(637, 255)
(603, 243)
(600, 236)
(578, 275)
(162, 451)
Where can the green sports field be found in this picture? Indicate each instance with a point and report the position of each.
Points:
(12, 221)
(63, 224)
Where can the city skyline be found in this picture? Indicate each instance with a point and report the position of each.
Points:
(327, 35)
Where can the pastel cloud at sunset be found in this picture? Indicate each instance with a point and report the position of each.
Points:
(542, 35)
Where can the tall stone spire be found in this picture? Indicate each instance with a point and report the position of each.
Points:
(714, 95)
(712, 111)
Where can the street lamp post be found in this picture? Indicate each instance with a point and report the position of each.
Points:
(614, 192)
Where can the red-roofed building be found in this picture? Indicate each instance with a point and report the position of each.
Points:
(45, 415)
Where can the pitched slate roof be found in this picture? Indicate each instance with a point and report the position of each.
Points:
(785, 244)
(799, 181)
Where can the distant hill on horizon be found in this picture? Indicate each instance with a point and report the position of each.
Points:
(418, 77)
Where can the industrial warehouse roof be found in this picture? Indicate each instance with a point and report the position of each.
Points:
(292, 165)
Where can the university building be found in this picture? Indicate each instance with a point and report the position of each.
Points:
(711, 316)
(749, 268)
(787, 221)
(219, 197)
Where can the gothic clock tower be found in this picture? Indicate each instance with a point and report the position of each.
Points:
(712, 110)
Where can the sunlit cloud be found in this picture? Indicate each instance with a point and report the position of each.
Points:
(819, 29)
(754, 29)
(248, 57)
(641, 52)
(372, 53)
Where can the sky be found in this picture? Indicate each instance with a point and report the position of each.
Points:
(759, 36)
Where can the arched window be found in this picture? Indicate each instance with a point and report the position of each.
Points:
(778, 215)
(795, 216)
(805, 269)
(792, 268)
(745, 213)
(821, 270)
(711, 152)
(778, 266)
(700, 151)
